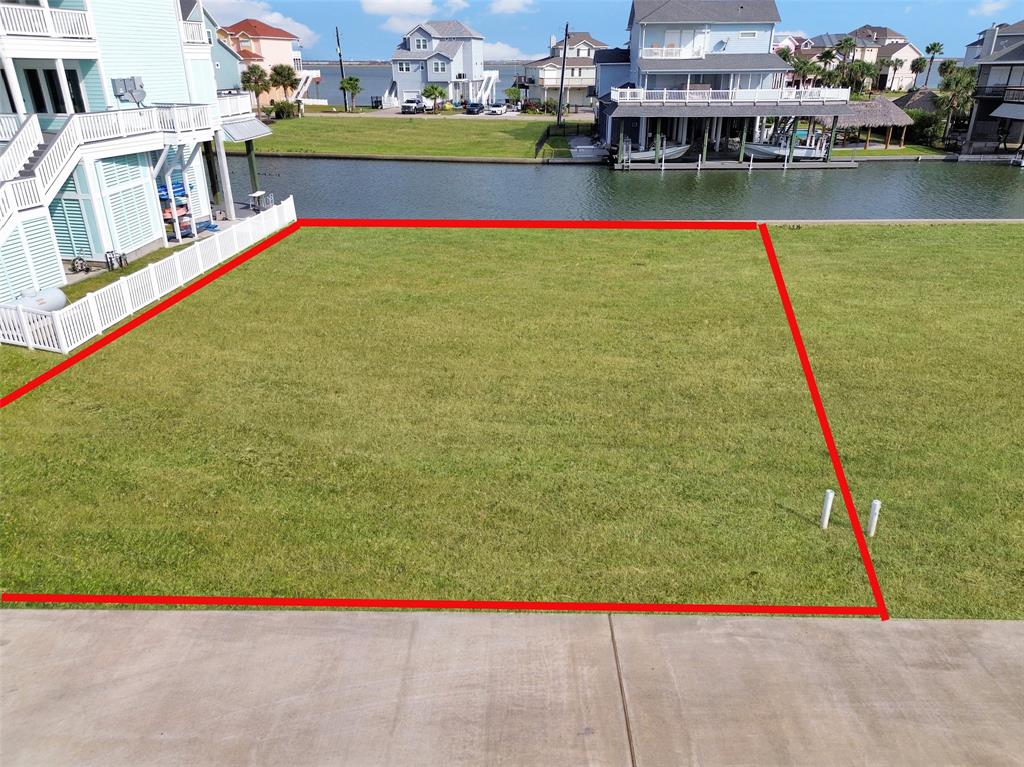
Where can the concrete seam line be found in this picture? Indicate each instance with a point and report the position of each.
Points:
(622, 692)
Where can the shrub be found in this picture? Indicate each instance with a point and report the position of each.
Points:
(284, 110)
(927, 128)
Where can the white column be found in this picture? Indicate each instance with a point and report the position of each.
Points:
(169, 183)
(225, 179)
(65, 89)
(12, 80)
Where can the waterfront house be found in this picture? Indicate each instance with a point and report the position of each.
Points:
(792, 43)
(257, 42)
(112, 132)
(544, 76)
(445, 53)
(701, 73)
(897, 50)
(997, 119)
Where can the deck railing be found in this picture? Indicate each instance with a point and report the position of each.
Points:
(734, 96)
(194, 32)
(21, 146)
(184, 118)
(235, 105)
(696, 51)
(37, 21)
(64, 330)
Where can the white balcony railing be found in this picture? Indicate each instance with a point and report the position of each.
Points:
(735, 96)
(37, 21)
(693, 52)
(9, 125)
(235, 105)
(22, 145)
(194, 32)
(184, 118)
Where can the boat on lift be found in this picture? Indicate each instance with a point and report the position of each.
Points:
(780, 151)
(668, 152)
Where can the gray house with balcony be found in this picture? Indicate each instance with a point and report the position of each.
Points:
(445, 53)
(997, 119)
(701, 72)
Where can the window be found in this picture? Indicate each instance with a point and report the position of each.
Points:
(77, 100)
(440, 66)
(748, 34)
(35, 90)
(53, 87)
(245, 43)
(404, 66)
(421, 43)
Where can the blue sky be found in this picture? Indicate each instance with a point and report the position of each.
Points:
(521, 28)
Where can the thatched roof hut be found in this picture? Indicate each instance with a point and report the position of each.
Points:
(877, 113)
(923, 99)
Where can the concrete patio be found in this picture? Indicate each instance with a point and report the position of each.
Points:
(93, 687)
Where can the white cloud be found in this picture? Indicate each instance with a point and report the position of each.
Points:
(227, 12)
(791, 33)
(421, 8)
(989, 8)
(511, 6)
(402, 24)
(506, 52)
(454, 6)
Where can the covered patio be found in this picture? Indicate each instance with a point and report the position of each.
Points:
(878, 113)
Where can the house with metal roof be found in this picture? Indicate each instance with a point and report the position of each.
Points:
(997, 119)
(701, 73)
(543, 77)
(440, 52)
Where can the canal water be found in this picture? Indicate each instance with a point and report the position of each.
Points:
(374, 189)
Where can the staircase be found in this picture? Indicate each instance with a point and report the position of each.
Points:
(306, 78)
(490, 80)
(34, 165)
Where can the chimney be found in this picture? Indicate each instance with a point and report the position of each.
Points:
(553, 41)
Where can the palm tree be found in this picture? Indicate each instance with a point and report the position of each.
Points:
(827, 57)
(897, 65)
(351, 86)
(256, 80)
(917, 66)
(883, 65)
(785, 54)
(436, 94)
(947, 67)
(845, 48)
(860, 72)
(956, 95)
(933, 50)
(283, 76)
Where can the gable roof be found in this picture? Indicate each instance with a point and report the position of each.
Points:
(187, 6)
(1011, 53)
(257, 28)
(447, 28)
(570, 61)
(249, 55)
(446, 48)
(882, 32)
(923, 99)
(724, 11)
(575, 38)
(887, 51)
(831, 40)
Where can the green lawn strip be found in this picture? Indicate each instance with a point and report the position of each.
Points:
(909, 149)
(915, 335)
(515, 415)
(430, 136)
(94, 282)
(556, 146)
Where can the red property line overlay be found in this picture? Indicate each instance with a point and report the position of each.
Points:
(878, 609)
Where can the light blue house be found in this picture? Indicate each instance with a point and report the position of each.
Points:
(112, 131)
(700, 72)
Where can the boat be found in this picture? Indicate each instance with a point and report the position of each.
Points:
(669, 152)
(781, 151)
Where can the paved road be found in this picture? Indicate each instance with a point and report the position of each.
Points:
(149, 687)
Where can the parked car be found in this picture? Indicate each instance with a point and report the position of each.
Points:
(475, 108)
(413, 106)
(497, 109)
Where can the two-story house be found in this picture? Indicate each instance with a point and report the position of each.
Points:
(699, 74)
(445, 53)
(997, 119)
(544, 76)
(895, 49)
(111, 133)
(257, 42)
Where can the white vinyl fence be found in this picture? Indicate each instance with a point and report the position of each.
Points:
(64, 330)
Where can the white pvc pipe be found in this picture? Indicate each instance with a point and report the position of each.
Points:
(876, 506)
(826, 508)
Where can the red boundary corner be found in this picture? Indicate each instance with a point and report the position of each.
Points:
(879, 608)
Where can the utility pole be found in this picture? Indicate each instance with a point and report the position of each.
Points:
(341, 66)
(561, 82)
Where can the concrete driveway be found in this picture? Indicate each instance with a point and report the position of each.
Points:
(94, 687)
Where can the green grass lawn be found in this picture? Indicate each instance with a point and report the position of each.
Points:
(434, 136)
(895, 151)
(610, 416)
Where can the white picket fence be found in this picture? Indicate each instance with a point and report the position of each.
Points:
(64, 330)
